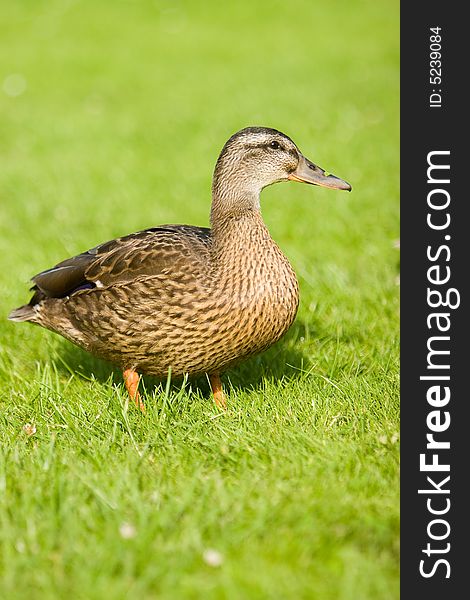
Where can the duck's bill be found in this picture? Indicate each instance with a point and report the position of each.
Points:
(307, 172)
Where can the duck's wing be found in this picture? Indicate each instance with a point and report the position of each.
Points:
(164, 249)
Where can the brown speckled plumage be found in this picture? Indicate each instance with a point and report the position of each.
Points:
(190, 299)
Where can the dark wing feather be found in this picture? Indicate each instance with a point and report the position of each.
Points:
(146, 253)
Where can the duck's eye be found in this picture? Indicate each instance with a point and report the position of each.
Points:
(274, 145)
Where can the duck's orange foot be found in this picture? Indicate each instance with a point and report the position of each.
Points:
(217, 390)
(131, 381)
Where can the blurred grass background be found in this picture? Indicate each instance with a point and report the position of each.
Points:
(112, 117)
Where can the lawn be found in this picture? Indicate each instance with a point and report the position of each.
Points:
(112, 117)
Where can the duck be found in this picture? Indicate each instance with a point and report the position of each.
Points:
(182, 299)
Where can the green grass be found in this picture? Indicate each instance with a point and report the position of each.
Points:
(112, 124)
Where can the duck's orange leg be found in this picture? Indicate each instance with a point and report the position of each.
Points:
(217, 390)
(131, 381)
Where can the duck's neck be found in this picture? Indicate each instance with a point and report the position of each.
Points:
(234, 209)
(238, 230)
(233, 199)
(235, 212)
(235, 190)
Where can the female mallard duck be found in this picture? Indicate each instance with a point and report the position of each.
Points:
(183, 298)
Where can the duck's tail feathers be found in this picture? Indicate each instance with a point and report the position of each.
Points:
(23, 313)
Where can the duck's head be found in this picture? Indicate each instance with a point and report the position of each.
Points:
(256, 157)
